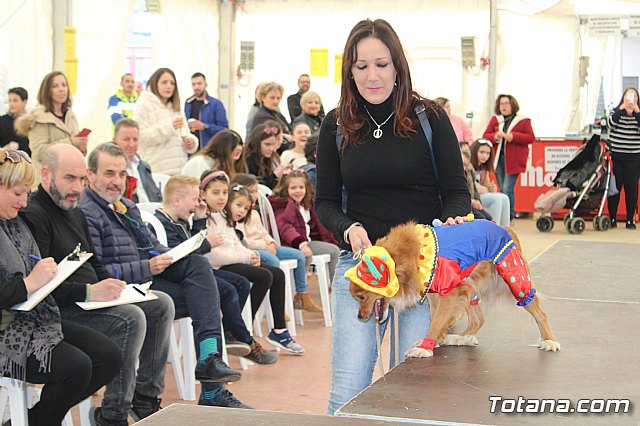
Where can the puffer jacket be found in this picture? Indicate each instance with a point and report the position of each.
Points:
(44, 130)
(160, 144)
(291, 225)
(114, 244)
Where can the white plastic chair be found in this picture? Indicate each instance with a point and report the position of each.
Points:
(20, 396)
(184, 348)
(160, 180)
(321, 262)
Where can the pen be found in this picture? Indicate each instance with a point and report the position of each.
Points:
(116, 273)
(154, 253)
(138, 290)
(34, 257)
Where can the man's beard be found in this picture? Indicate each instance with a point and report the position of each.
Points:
(60, 200)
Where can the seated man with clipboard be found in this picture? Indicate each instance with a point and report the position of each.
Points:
(122, 240)
(141, 330)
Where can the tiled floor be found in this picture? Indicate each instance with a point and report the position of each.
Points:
(301, 384)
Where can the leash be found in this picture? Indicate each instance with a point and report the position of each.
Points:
(396, 346)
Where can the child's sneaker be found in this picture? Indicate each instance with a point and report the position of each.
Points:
(260, 356)
(284, 341)
(224, 398)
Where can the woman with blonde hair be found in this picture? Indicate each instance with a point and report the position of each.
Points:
(311, 106)
(38, 346)
(165, 139)
(270, 95)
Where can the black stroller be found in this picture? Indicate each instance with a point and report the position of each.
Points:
(581, 186)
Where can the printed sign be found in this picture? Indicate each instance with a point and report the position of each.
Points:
(602, 26)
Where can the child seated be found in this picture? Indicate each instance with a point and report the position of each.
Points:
(230, 255)
(257, 238)
(494, 201)
(476, 205)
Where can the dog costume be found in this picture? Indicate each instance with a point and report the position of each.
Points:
(448, 255)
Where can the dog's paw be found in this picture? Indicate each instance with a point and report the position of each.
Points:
(417, 352)
(457, 340)
(549, 345)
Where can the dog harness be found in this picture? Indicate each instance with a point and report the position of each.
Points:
(448, 255)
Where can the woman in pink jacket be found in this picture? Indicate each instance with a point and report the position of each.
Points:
(511, 134)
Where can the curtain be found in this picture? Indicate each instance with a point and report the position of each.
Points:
(101, 34)
(26, 36)
(185, 38)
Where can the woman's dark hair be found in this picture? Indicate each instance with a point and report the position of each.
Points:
(258, 134)
(625, 93)
(221, 147)
(282, 188)
(44, 94)
(152, 85)
(349, 113)
(244, 179)
(515, 107)
(310, 148)
(475, 147)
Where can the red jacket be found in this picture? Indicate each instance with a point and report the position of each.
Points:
(291, 224)
(516, 152)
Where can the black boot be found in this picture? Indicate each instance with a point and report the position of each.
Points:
(213, 369)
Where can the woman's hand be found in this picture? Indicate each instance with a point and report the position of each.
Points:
(492, 187)
(280, 169)
(178, 122)
(359, 239)
(508, 137)
(457, 220)
(476, 204)
(255, 260)
(41, 274)
(80, 142)
(188, 144)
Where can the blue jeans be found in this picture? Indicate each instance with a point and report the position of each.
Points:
(142, 331)
(283, 253)
(507, 184)
(234, 290)
(354, 352)
(193, 288)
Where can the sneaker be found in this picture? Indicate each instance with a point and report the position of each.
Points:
(284, 341)
(614, 224)
(214, 369)
(224, 398)
(630, 225)
(144, 406)
(101, 421)
(260, 356)
(235, 347)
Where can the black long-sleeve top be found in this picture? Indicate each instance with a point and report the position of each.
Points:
(57, 233)
(390, 180)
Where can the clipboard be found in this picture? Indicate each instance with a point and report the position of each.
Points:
(134, 293)
(187, 247)
(65, 268)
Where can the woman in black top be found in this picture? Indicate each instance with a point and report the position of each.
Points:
(37, 346)
(270, 95)
(384, 163)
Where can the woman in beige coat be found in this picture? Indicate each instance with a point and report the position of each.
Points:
(52, 121)
(165, 139)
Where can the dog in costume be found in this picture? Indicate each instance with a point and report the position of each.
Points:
(464, 264)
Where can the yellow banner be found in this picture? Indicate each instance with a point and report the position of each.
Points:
(337, 74)
(319, 62)
(70, 42)
(71, 71)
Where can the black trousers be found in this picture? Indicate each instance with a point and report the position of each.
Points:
(264, 278)
(81, 364)
(627, 173)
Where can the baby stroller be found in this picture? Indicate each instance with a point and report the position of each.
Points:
(581, 186)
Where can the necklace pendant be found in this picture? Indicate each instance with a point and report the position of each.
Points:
(377, 133)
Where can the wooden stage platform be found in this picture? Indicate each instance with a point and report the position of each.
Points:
(593, 302)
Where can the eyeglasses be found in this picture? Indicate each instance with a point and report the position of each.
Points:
(484, 142)
(15, 157)
(272, 130)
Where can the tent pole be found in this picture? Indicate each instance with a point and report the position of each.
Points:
(493, 43)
